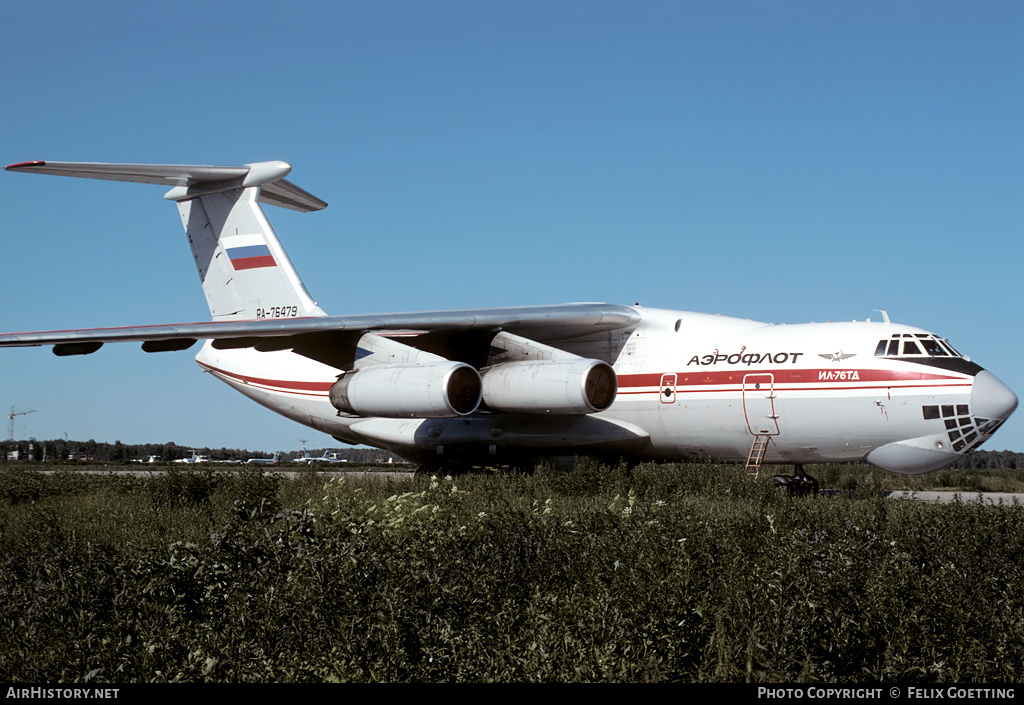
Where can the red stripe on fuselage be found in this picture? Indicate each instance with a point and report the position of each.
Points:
(805, 376)
(800, 380)
(688, 382)
(292, 386)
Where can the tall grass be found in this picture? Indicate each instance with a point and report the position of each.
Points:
(659, 573)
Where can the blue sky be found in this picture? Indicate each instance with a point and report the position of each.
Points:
(780, 161)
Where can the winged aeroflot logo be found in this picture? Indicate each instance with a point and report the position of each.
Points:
(837, 356)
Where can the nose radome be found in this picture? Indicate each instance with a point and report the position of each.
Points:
(990, 398)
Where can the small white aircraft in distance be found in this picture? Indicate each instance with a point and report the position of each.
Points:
(328, 457)
(194, 460)
(197, 459)
(265, 461)
(520, 385)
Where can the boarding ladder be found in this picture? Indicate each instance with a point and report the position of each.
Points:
(756, 456)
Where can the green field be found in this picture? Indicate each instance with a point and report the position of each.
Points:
(693, 573)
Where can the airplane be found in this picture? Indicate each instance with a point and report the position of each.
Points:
(194, 460)
(328, 457)
(265, 461)
(304, 459)
(522, 385)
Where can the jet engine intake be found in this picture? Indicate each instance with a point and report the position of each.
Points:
(575, 386)
(439, 390)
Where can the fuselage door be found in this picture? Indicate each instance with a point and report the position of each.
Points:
(759, 404)
(668, 388)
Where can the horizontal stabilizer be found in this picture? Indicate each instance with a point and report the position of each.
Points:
(190, 180)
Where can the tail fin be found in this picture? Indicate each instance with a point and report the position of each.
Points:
(244, 270)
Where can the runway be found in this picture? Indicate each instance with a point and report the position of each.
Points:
(937, 497)
(995, 498)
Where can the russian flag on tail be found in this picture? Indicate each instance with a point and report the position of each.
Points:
(248, 252)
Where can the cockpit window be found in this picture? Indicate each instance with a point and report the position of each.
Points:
(933, 348)
(915, 345)
(952, 350)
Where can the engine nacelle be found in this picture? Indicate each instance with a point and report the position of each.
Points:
(576, 386)
(439, 390)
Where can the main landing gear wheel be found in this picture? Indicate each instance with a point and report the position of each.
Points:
(797, 483)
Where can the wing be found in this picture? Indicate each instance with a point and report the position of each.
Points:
(540, 323)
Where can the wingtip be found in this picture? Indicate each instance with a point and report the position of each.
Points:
(22, 165)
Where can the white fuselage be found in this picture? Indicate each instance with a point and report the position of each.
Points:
(691, 385)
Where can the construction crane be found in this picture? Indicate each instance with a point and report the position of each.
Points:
(10, 417)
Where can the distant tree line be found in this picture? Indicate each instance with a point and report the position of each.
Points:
(991, 460)
(61, 450)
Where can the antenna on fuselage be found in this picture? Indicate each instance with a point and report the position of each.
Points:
(885, 316)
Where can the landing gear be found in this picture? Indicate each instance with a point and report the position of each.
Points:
(798, 483)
